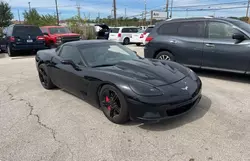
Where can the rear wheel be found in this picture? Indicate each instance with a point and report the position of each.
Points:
(126, 41)
(113, 104)
(165, 55)
(44, 78)
(138, 44)
(10, 52)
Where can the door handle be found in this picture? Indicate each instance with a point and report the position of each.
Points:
(172, 41)
(210, 45)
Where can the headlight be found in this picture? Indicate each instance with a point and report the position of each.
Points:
(193, 75)
(58, 39)
(145, 90)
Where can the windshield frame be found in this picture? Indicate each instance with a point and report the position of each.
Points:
(85, 46)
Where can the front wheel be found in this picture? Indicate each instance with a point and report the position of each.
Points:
(113, 104)
(44, 77)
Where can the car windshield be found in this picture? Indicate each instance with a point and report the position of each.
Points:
(106, 54)
(59, 30)
(243, 25)
(27, 30)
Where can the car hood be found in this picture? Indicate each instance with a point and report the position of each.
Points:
(154, 72)
(66, 35)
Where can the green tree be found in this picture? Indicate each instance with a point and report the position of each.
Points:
(49, 20)
(5, 14)
(34, 18)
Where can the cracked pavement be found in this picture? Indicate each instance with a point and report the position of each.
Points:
(41, 125)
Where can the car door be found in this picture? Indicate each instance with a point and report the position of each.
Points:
(69, 77)
(187, 44)
(223, 52)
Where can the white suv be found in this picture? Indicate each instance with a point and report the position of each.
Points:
(122, 34)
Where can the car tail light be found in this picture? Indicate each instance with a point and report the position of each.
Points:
(12, 39)
(119, 35)
(142, 36)
(148, 39)
(144, 33)
(40, 38)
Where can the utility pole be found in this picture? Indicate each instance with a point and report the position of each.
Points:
(145, 6)
(29, 6)
(78, 9)
(114, 5)
(151, 20)
(248, 4)
(98, 17)
(167, 4)
(57, 14)
(125, 13)
(19, 16)
(172, 3)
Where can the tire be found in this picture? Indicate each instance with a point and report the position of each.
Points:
(10, 52)
(165, 55)
(138, 44)
(44, 78)
(126, 41)
(113, 104)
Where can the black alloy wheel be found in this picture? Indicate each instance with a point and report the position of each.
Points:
(44, 78)
(165, 55)
(113, 104)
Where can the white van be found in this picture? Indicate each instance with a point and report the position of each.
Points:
(122, 34)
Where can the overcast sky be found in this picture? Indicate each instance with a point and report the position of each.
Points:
(134, 7)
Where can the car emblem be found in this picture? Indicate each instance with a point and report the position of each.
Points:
(185, 89)
(29, 37)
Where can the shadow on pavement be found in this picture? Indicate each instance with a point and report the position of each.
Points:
(235, 77)
(198, 112)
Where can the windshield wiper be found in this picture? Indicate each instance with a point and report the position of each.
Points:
(103, 65)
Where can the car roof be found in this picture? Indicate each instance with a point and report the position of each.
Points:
(199, 19)
(87, 42)
(51, 26)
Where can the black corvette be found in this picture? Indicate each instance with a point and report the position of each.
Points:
(124, 85)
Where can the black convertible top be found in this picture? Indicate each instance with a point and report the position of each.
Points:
(88, 42)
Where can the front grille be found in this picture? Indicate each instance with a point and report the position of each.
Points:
(70, 38)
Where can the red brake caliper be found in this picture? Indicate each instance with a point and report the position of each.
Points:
(107, 100)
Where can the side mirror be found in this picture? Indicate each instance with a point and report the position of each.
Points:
(45, 33)
(135, 52)
(70, 62)
(238, 36)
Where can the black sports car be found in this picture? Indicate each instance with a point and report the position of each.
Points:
(124, 85)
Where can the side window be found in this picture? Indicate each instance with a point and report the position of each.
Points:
(192, 29)
(168, 29)
(71, 53)
(125, 30)
(134, 30)
(220, 30)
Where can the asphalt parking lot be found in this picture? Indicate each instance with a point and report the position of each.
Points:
(36, 124)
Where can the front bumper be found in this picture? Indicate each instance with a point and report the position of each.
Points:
(154, 109)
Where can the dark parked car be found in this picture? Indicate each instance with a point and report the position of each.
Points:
(124, 85)
(210, 43)
(23, 38)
